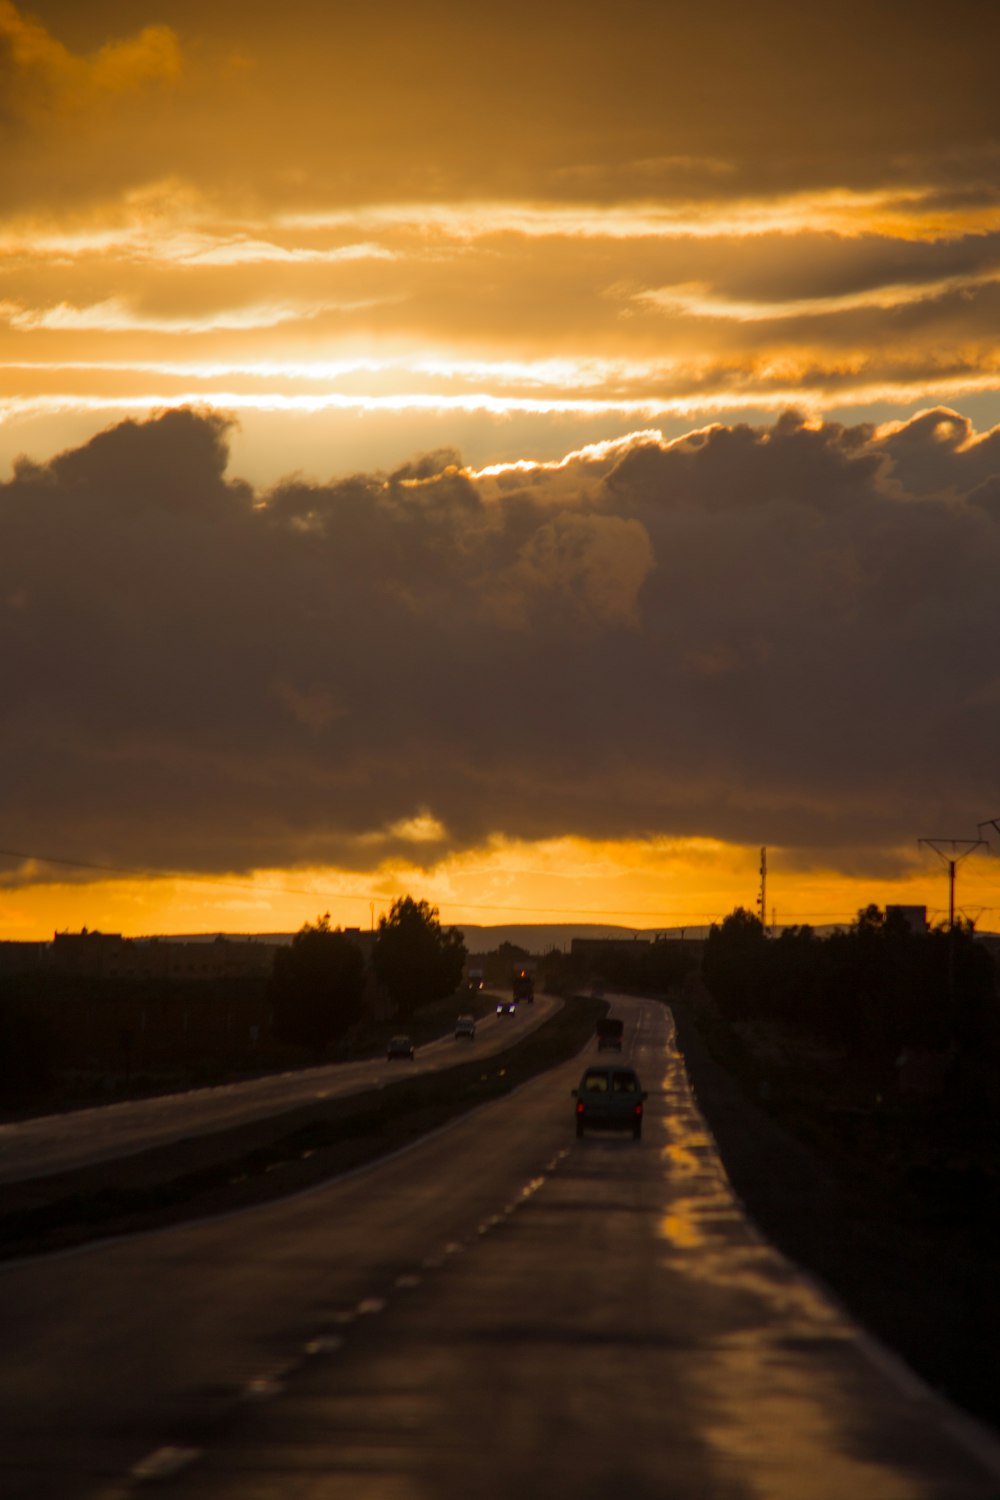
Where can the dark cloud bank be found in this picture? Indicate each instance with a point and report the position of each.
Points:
(785, 635)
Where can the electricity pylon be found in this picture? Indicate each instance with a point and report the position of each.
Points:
(993, 823)
(952, 852)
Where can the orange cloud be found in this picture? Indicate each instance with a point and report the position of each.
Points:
(48, 79)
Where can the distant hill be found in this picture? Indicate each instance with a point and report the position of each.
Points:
(543, 937)
(536, 938)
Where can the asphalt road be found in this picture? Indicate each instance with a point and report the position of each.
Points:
(58, 1143)
(499, 1311)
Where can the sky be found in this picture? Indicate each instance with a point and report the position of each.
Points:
(529, 459)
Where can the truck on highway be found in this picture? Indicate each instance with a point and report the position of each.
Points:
(524, 983)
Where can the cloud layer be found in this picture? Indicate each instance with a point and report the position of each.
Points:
(307, 211)
(783, 634)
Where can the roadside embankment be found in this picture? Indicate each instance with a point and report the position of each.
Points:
(905, 1236)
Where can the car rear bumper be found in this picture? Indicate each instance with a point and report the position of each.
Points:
(608, 1122)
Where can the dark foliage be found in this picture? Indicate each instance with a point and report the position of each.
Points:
(317, 987)
(735, 962)
(414, 958)
(562, 973)
(26, 1055)
(874, 990)
(644, 970)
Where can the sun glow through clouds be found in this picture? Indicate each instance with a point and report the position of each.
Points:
(614, 481)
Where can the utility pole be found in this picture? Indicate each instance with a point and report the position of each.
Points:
(762, 896)
(951, 852)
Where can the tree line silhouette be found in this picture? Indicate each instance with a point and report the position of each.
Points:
(319, 983)
(67, 1035)
(877, 990)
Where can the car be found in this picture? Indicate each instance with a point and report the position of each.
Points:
(466, 1026)
(399, 1046)
(506, 1007)
(610, 1098)
(609, 1033)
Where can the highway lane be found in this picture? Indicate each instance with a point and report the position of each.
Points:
(57, 1143)
(502, 1310)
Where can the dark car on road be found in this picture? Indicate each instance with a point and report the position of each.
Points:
(609, 1098)
(609, 1033)
(507, 1008)
(399, 1046)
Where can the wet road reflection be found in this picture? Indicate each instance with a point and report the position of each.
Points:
(505, 1311)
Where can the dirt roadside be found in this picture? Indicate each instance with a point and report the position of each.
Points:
(920, 1271)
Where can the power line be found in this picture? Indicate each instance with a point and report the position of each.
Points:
(147, 874)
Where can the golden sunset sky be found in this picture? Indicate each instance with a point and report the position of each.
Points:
(530, 459)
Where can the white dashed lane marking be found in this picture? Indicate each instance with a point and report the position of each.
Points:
(368, 1306)
(163, 1462)
(324, 1345)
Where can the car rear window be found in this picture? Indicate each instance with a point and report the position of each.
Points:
(596, 1083)
(625, 1083)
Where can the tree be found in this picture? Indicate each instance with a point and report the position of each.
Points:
(317, 986)
(414, 958)
(510, 954)
(734, 963)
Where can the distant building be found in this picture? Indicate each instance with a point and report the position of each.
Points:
(363, 939)
(107, 955)
(912, 917)
(598, 947)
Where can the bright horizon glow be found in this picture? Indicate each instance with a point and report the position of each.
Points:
(649, 886)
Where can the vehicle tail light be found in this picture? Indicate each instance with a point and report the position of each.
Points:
(638, 1111)
(579, 1106)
